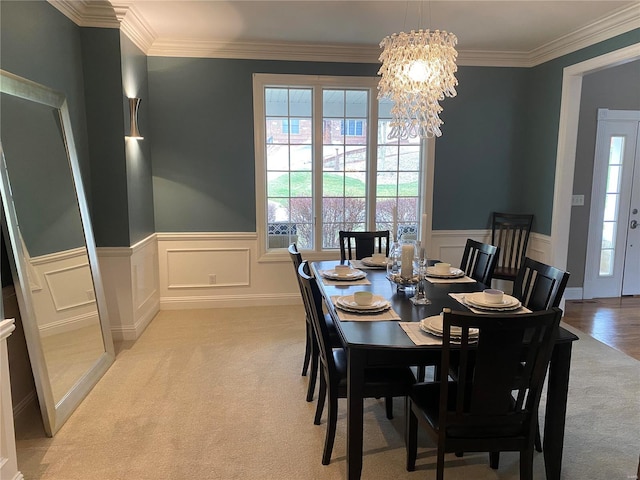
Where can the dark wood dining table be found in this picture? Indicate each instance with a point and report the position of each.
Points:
(385, 343)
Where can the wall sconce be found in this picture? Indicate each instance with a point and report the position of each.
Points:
(134, 104)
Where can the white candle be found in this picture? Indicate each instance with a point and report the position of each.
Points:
(406, 269)
(423, 231)
(394, 230)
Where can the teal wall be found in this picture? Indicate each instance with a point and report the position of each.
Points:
(138, 152)
(105, 121)
(538, 161)
(202, 142)
(195, 169)
(89, 66)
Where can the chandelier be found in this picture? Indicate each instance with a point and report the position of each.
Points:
(417, 72)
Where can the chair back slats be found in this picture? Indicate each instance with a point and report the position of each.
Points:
(510, 233)
(358, 245)
(479, 261)
(499, 379)
(539, 286)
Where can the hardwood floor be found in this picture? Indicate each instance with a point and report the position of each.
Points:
(614, 321)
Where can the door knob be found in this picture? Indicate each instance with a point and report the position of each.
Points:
(633, 224)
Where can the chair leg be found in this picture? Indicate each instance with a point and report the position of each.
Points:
(526, 464)
(440, 462)
(322, 394)
(411, 436)
(494, 460)
(538, 440)
(307, 350)
(314, 371)
(332, 420)
(388, 403)
(421, 373)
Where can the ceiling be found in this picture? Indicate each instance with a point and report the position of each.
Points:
(526, 31)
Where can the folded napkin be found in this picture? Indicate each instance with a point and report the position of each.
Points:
(344, 283)
(460, 298)
(464, 279)
(419, 336)
(389, 314)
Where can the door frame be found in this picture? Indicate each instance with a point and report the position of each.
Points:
(567, 143)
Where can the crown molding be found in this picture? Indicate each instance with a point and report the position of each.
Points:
(86, 13)
(124, 16)
(620, 22)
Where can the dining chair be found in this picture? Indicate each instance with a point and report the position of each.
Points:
(479, 261)
(378, 382)
(510, 233)
(311, 351)
(539, 286)
(492, 404)
(358, 245)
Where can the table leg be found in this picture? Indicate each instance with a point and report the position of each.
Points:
(355, 392)
(556, 409)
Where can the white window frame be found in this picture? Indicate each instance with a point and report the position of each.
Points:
(260, 81)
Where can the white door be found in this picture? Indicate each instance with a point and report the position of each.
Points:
(613, 250)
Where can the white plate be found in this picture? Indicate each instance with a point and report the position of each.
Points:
(363, 312)
(453, 273)
(353, 275)
(369, 262)
(477, 299)
(348, 302)
(434, 325)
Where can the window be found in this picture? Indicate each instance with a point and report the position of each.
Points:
(324, 164)
(611, 206)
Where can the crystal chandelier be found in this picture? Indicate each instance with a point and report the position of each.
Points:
(418, 71)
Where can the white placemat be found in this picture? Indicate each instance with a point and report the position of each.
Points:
(464, 279)
(364, 317)
(419, 336)
(460, 296)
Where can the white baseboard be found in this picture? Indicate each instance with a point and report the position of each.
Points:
(225, 301)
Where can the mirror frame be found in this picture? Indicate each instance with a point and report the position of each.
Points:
(54, 415)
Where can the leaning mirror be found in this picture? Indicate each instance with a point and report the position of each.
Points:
(54, 263)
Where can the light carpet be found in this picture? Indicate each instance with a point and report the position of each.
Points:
(217, 394)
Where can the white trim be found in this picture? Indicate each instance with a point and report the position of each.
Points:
(227, 301)
(124, 15)
(573, 293)
(567, 140)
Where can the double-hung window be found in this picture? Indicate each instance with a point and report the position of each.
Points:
(324, 163)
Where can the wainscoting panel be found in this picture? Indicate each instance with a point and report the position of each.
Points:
(62, 293)
(207, 270)
(130, 278)
(208, 267)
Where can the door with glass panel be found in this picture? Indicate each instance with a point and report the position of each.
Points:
(613, 252)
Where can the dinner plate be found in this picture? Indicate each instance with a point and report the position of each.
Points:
(452, 339)
(434, 325)
(477, 299)
(362, 312)
(453, 273)
(348, 302)
(369, 262)
(353, 275)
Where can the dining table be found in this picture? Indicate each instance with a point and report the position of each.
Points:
(382, 341)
